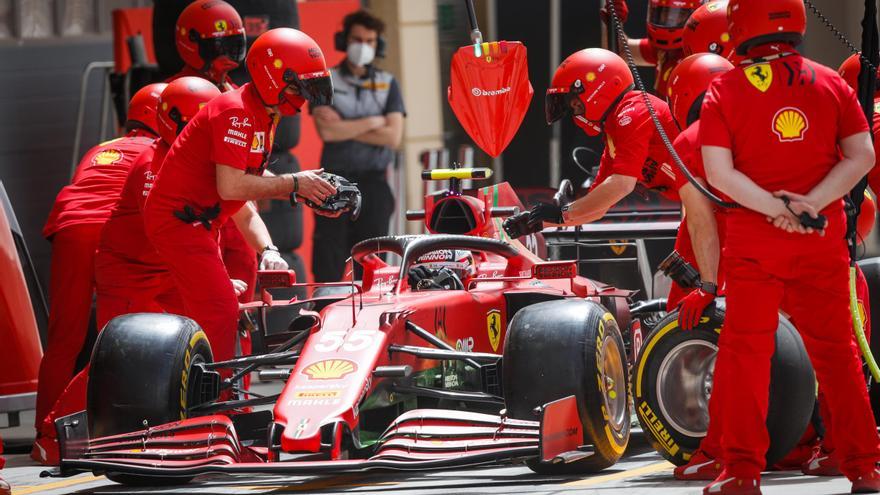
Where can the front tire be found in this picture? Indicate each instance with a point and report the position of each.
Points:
(141, 375)
(570, 347)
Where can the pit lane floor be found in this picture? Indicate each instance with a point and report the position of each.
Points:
(641, 471)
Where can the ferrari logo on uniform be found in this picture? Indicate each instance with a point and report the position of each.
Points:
(790, 124)
(258, 145)
(330, 369)
(493, 326)
(107, 157)
(220, 26)
(761, 76)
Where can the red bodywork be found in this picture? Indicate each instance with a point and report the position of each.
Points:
(343, 368)
(20, 351)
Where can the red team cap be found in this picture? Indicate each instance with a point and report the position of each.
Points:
(598, 77)
(180, 102)
(285, 57)
(666, 21)
(143, 107)
(688, 84)
(760, 22)
(210, 35)
(706, 30)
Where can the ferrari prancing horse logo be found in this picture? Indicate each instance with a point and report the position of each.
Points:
(493, 326)
(760, 75)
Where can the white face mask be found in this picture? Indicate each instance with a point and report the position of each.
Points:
(360, 54)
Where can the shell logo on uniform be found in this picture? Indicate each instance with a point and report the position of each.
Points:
(277, 63)
(760, 75)
(220, 26)
(330, 369)
(790, 124)
(107, 157)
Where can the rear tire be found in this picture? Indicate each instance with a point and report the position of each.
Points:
(140, 375)
(673, 380)
(568, 347)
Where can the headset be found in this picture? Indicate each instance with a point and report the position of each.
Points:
(340, 42)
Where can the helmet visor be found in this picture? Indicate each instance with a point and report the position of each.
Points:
(231, 47)
(315, 87)
(556, 104)
(669, 17)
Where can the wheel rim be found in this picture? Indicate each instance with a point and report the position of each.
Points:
(684, 385)
(613, 376)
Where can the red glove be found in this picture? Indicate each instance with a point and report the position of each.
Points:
(620, 8)
(691, 308)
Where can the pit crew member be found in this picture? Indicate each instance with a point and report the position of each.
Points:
(210, 39)
(74, 228)
(215, 167)
(663, 46)
(752, 127)
(593, 87)
(129, 276)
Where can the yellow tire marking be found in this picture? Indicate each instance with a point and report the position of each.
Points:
(26, 490)
(631, 473)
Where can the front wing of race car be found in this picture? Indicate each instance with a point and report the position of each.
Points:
(424, 439)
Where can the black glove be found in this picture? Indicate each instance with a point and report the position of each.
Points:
(529, 222)
(347, 197)
(546, 212)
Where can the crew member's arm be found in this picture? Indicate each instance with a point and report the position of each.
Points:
(622, 10)
(858, 158)
(235, 185)
(594, 205)
(739, 187)
(332, 127)
(255, 233)
(389, 135)
(703, 231)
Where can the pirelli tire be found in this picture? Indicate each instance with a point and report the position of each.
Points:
(141, 373)
(554, 349)
(672, 383)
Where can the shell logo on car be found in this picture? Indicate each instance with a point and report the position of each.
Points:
(790, 124)
(107, 157)
(330, 369)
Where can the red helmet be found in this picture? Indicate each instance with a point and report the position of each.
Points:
(180, 102)
(706, 30)
(143, 107)
(285, 58)
(210, 37)
(597, 77)
(666, 20)
(688, 84)
(849, 71)
(759, 22)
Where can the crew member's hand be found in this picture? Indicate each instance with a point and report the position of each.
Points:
(546, 212)
(328, 214)
(691, 308)
(620, 8)
(797, 205)
(272, 260)
(313, 187)
(239, 286)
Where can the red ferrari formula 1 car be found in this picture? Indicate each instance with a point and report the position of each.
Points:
(469, 350)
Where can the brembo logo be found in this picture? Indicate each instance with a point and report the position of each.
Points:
(490, 92)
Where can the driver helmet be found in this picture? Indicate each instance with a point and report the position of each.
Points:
(459, 261)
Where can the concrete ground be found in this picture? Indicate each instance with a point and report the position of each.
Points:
(642, 471)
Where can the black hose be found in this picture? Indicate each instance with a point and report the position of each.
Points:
(618, 29)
